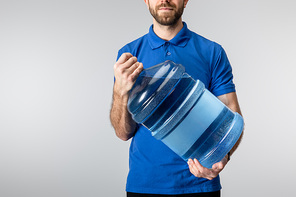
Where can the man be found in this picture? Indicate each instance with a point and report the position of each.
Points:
(155, 170)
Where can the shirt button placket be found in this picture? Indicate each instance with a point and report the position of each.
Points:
(167, 46)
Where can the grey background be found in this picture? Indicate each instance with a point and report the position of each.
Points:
(56, 78)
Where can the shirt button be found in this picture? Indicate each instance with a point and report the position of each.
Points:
(168, 53)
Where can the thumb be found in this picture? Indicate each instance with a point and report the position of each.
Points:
(218, 166)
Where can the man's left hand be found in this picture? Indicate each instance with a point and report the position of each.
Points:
(199, 171)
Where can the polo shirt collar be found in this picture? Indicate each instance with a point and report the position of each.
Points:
(181, 39)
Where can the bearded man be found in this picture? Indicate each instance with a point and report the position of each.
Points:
(154, 169)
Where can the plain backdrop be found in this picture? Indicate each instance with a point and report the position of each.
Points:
(56, 79)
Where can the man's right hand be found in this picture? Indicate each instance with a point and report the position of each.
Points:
(126, 71)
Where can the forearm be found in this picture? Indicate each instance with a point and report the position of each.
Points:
(121, 119)
(126, 71)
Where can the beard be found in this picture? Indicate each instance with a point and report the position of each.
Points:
(167, 19)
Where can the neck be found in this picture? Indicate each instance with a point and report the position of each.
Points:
(167, 32)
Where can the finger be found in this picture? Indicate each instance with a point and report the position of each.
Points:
(130, 62)
(205, 172)
(196, 168)
(192, 171)
(198, 165)
(124, 57)
(190, 162)
(192, 168)
(131, 69)
(137, 71)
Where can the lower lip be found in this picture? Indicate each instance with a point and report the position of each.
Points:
(166, 9)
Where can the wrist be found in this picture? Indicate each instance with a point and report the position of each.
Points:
(119, 94)
(121, 89)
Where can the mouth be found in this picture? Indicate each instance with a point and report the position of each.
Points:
(166, 8)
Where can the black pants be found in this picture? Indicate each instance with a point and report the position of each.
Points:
(207, 194)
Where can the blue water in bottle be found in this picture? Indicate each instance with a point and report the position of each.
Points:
(184, 115)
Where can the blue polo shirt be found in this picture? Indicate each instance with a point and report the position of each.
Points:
(153, 167)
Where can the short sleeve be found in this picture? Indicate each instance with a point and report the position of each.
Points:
(222, 78)
(119, 54)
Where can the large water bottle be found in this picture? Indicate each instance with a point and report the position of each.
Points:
(184, 115)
